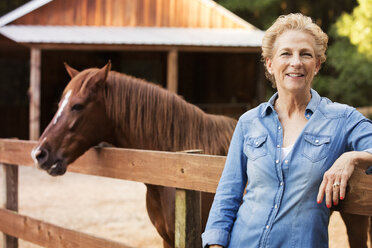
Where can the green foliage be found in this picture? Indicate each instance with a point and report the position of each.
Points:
(8, 5)
(262, 13)
(348, 68)
(358, 27)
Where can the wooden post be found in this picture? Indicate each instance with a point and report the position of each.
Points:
(188, 216)
(10, 191)
(34, 94)
(172, 71)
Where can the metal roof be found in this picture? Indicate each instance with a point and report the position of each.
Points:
(133, 35)
(22, 10)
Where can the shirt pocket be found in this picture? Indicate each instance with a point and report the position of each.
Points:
(316, 147)
(255, 147)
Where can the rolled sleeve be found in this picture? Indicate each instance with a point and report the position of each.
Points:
(215, 237)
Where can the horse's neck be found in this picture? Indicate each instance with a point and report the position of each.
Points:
(170, 125)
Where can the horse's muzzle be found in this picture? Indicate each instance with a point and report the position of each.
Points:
(43, 160)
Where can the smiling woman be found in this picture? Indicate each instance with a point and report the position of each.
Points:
(293, 155)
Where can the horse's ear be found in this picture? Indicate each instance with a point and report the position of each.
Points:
(103, 72)
(71, 71)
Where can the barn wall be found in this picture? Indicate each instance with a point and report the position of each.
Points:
(220, 83)
(149, 13)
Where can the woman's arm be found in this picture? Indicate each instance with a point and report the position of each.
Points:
(228, 194)
(358, 137)
(339, 173)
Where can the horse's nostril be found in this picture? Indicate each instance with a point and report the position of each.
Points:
(41, 155)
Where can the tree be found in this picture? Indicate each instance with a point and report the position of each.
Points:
(349, 63)
(262, 13)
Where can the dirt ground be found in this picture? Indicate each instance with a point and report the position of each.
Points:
(107, 208)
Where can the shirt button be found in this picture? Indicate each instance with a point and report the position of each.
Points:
(276, 206)
(281, 183)
(279, 127)
(286, 161)
(278, 146)
(277, 161)
(256, 143)
(267, 227)
(308, 116)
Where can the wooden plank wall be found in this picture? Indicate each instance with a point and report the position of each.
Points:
(145, 13)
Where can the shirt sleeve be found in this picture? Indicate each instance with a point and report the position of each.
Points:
(359, 134)
(228, 194)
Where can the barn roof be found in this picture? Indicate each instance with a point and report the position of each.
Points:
(136, 36)
(76, 22)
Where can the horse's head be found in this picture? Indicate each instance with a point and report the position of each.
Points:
(80, 122)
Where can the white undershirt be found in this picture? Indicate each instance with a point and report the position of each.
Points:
(285, 151)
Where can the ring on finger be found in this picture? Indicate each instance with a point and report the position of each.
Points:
(336, 184)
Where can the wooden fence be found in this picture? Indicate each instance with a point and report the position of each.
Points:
(189, 173)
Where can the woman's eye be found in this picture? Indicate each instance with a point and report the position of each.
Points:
(77, 107)
(307, 55)
(285, 54)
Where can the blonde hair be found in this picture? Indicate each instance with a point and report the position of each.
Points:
(298, 22)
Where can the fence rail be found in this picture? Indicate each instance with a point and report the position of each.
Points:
(186, 172)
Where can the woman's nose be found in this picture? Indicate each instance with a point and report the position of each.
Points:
(295, 61)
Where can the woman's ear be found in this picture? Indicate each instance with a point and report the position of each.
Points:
(317, 66)
(269, 65)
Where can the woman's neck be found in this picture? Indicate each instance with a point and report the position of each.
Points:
(288, 104)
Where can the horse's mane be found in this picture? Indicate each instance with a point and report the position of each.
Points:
(142, 109)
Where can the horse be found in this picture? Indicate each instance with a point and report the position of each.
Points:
(100, 105)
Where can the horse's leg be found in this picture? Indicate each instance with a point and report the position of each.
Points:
(160, 208)
(357, 229)
(206, 203)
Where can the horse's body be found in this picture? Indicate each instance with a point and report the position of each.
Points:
(99, 105)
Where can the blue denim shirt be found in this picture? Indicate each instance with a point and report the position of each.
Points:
(279, 208)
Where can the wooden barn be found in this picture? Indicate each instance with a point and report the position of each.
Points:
(196, 48)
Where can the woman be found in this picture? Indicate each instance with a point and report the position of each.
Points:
(296, 152)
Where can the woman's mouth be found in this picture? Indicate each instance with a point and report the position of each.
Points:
(294, 75)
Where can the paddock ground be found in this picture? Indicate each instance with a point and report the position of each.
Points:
(108, 208)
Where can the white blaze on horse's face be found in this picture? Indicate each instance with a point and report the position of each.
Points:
(63, 105)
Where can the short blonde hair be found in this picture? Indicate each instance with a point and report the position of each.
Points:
(298, 22)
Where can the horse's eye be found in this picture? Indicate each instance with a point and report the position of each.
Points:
(77, 107)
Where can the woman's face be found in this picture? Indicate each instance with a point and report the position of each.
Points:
(294, 63)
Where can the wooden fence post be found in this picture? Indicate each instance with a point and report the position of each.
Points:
(188, 216)
(10, 191)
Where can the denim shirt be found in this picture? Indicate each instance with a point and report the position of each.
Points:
(279, 208)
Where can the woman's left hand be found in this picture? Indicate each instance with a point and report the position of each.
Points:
(335, 179)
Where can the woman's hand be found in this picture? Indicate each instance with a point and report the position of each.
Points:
(335, 179)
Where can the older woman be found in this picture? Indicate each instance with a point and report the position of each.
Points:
(296, 151)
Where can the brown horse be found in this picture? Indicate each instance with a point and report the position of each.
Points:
(101, 105)
(98, 105)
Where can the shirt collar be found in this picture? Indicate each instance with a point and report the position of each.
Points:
(310, 108)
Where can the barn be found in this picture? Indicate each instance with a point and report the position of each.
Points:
(196, 48)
